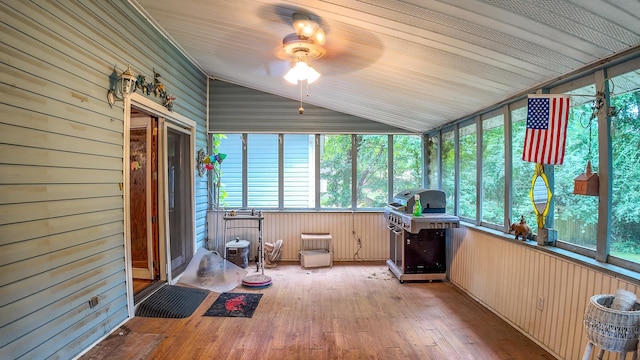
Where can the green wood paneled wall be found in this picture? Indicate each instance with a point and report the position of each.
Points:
(237, 109)
(61, 148)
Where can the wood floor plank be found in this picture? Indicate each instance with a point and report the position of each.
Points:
(350, 311)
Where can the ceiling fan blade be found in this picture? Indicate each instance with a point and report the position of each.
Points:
(277, 68)
(348, 48)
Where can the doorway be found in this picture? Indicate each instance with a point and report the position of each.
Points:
(161, 199)
(143, 201)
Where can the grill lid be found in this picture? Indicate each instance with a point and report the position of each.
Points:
(433, 201)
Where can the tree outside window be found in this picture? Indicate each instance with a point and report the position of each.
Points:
(493, 170)
(407, 162)
(576, 216)
(448, 157)
(432, 158)
(372, 175)
(468, 170)
(625, 138)
(335, 171)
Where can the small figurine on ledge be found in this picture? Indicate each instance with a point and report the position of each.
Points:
(521, 229)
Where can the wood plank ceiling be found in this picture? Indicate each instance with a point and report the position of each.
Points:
(411, 64)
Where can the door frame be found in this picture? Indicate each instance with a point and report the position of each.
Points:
(165, 117)
(163, 206)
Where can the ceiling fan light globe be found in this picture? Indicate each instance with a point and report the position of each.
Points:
(312, 75)
(291, 77)
(308, 29)
(303, 25)
(319, 37)
(296, 73)
(299, 20)
(300, 72)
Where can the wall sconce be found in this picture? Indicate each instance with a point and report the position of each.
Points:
(125, 85)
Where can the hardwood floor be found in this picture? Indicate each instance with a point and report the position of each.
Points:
(141, 284)
(350, 311)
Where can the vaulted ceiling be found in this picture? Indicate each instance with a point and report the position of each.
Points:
(414, 64)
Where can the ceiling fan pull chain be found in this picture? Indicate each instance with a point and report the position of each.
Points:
(301, 109)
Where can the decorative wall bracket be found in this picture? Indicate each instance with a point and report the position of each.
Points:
(206, 162)
(201, 165)
(155, 88)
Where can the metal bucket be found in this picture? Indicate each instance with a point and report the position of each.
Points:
(238, 252)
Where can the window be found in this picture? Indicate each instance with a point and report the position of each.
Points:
(262, 171)
(299, 171)
(493, 169)
(449, 169)
(521, 171)
(372, 176)
(625, 139)
(335, 171)
(407, 162)
(260, 165)
(231, 170)
(468, 170)
(576, 216)
(432, 159)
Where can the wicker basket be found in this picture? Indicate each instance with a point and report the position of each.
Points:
(612, 330)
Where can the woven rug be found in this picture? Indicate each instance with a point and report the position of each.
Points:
(234, 305)
(172, 302)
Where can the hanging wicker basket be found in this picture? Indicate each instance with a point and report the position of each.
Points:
(612, 330)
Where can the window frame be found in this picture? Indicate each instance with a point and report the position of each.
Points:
(550, 172)
(504, 112)
(475, 122)
(598, 75)
(453, 129)
(317, 167)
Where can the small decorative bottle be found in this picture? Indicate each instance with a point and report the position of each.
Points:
(417, 206)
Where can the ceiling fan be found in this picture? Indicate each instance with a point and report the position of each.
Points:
(338, 47)
(303, 46)
(317, 46)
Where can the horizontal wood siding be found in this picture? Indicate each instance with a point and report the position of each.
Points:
(237, 109)
(61, 149)
(509, 278)
(344, 227)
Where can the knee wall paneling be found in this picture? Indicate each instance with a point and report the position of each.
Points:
(510, 278)
(369, 227)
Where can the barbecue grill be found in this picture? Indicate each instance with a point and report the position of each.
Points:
(418, 243)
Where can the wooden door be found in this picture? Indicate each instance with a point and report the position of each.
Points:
(143, 162)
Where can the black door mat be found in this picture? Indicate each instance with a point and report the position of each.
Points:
(172, 302)
(144, 293)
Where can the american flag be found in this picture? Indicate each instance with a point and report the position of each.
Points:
(547, 119)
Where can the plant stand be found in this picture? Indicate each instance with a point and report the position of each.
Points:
(610, 329)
